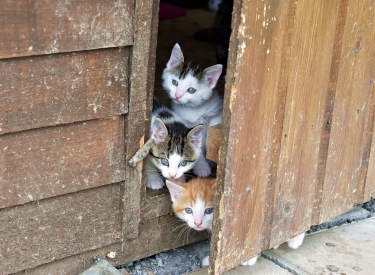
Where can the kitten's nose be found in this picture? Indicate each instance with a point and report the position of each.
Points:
(172, 175)
(178, 95)
(198, 223)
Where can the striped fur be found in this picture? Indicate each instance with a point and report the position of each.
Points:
(177, 147)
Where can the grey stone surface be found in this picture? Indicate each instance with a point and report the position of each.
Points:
(101, 267)
(188, 258)
(262, 267)
(348, 249)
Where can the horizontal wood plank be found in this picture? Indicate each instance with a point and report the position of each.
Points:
(156, 206)
(62, 88)
(156, 235)
(40, 27)
(40, 232)
(51, 161)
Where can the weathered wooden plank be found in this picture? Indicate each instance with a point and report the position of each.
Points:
(40, 232)
(40, 27)
(140, 102)
(349, 146)
(370, 178)
(47, 162)
(156, 206)
(155, 236)
(328, 109)
(310, 64)
(62, 88)
(213, 142)
(252, 122)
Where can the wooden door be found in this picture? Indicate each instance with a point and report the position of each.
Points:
(298, 122)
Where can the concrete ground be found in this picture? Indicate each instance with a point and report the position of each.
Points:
(344, 250)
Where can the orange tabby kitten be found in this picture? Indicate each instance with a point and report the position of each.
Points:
(193, 203)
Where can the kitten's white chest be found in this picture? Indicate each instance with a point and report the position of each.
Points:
(209, 112)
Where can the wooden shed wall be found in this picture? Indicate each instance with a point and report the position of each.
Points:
(298, 122)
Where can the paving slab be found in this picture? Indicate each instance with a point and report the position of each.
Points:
(349, 249)
(344, 250)
(263, 266)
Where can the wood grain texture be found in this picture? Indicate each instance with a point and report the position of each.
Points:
(155, 236)
(49, 90)
(369, 192)
(328, 109)
(156, 206)
(37, 27)
(37, 233)
(309, 71)
(140, 98)
(213, 142)
(251, 127)
(47, 162)
(349, 144)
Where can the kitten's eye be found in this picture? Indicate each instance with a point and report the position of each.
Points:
(174, 82)
(208, 211)
(191, 90)
(183, 163)
(164, 161)
(188, 210)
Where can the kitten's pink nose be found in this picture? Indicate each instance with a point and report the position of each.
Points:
(198, 223)
(178, 95)
(172, 175)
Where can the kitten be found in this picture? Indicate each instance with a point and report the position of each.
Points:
(191, 89)
(177, 147)
(294, 242)
(193, 202)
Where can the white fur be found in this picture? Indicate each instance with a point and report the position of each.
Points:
(202, 107)
(296, 241)
(198, 219)
(205, 261)
(214, 4)
(252, 261)
(173, 171)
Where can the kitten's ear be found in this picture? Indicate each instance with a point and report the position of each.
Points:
(176, 57)
(175, 190)
(212, 74)
(159, 131)
(195, 136)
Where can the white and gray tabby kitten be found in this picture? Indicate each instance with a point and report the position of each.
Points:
(194, 99)
(177, 147)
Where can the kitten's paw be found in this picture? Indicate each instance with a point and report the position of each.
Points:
(205, 261)
(155, 183)
(252, 261)
(202, 170)
(296, 241)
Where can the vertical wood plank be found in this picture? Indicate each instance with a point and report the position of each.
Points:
(369, 191)
(349, 144)
(252, 121)
(328, 109)
(304, 117)
(141, 87)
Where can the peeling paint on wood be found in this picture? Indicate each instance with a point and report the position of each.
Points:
(47, 162)
(50, 26)
(33, 234)
(62, 88)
